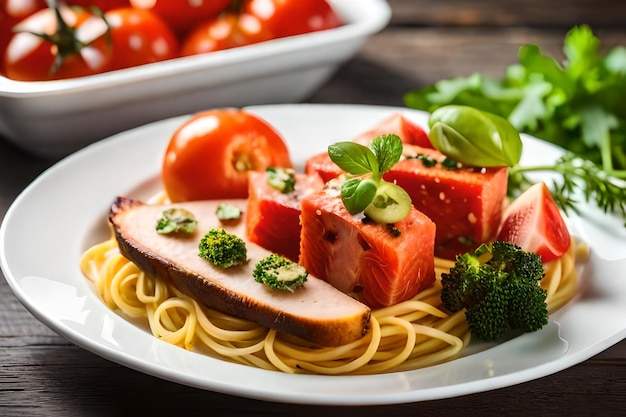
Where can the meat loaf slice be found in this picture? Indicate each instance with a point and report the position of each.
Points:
(316, 312)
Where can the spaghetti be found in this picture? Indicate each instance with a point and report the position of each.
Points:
(409, 335)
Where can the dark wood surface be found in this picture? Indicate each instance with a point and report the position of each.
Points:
(41, 374)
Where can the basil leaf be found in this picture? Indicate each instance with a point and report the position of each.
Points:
(388, 151)
(474, 137)
(357, 194)
(353, 158)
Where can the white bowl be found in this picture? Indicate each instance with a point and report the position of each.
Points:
(54, 118)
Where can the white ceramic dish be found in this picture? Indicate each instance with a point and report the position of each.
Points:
(55, 118)
(64, 211)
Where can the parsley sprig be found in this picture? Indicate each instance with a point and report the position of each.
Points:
(576, 104)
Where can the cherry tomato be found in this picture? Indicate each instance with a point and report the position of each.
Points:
(228, 30)
(103, 5)
(29, 57)
(182, 16)
(139, 37)
(20, 9)
(534, 222)
(11, 13)
(294, 17)
(209, 156)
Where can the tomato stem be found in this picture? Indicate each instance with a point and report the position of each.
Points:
(64, 38)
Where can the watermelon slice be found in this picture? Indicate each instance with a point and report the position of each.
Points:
(378, 264)
(273, 217)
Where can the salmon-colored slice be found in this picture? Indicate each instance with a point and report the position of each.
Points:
(322, 166)
(466, 204)
(409, 132)
(397, 124)
(273, 217)
(365, 259)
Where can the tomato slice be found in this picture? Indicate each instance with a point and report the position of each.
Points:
(533, 222)
(209, 156)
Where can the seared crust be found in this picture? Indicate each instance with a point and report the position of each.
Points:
(316, 312)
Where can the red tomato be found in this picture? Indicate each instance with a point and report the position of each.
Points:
(103, 5)
(20, 9)
(228, 30)
(182, 16)
(11, 13)
(534, 222)
(209, 156)
(31, 58)
(139, 37)
(294, 17)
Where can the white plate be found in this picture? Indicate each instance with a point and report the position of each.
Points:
(75, 112)
(64, 211)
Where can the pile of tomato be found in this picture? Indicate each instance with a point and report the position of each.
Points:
(85, 37)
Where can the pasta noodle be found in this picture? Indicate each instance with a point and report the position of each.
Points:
(410, 335)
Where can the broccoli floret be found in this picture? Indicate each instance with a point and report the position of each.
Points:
(498, 285)
(222, 248)
(279, 273)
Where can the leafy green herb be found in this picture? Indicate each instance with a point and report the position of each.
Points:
(426, 160)
(367, 192)
(227, 212)
(474, 137)
(282, 179)
(576, 104)
(176, 220)
(449, 163)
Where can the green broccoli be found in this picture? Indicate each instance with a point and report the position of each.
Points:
(498, 285)
(222, 248)
(279, 273)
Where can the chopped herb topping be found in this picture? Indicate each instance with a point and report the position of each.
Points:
(227, 212)
(450, 163)
(278, 272)
(282, 179)
(176, 220)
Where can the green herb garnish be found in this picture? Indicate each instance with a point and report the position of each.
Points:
(576, 104)
(227, 212)
(279, 273)
(367, 191)
(176, 220)
(282, 179)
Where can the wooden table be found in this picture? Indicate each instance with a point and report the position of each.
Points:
(42, 374)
